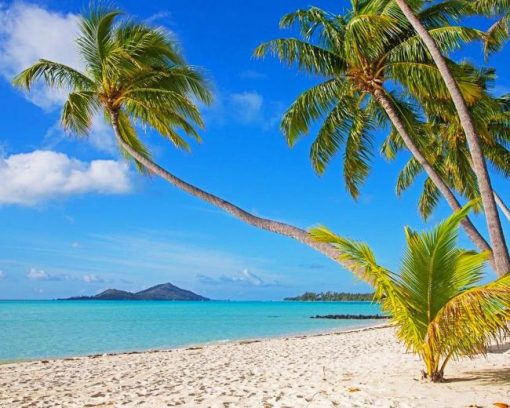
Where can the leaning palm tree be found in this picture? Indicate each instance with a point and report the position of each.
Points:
(499, 248)
(135, 74)
(444, 144)
(436, 302)
(357, 55)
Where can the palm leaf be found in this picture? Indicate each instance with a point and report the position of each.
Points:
(78, 112)
(54, 75)
(308, 57)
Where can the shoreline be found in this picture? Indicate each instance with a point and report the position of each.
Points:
(361, 367)
(321, 332)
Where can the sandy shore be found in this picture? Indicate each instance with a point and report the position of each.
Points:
(364, 368)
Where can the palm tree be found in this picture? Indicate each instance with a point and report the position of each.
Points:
(444, 144)
(357, 54)
(135, 74)
(436, 302)
(499, 248)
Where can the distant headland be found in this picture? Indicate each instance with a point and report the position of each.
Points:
(164, 291)
(331, 297)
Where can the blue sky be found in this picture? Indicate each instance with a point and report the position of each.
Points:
(74, 219)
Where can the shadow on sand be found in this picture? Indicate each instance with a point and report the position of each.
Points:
(488, 376)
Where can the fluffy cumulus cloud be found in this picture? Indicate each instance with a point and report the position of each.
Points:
(29, 32)
(32, 178)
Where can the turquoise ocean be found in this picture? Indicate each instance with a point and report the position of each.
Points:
(45, 329)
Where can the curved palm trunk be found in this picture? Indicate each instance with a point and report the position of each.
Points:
(269, 225)
(504, 209)
(500, 250)
(452, 201)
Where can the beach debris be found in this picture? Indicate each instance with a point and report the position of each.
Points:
(501, 405)
(353, 389)
(244, 342)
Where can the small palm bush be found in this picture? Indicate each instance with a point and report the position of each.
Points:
(440, 309)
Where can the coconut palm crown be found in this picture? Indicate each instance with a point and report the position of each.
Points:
(444, 142)
(133, 74)
(439, 308)
(369, 51)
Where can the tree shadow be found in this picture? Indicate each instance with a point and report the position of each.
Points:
(499, 349)
(488, 376)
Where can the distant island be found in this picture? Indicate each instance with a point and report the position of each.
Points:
(164, 291)
(331, 297)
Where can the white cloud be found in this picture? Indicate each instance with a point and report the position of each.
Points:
(39, 274)
(247, 106)
(31, 178)
(76, 245)
(100, 136)
(90, 278)
(247, 276)
(2, 274)
(29, 32)
(244, 278)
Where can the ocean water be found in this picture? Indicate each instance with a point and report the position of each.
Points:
(43, 329)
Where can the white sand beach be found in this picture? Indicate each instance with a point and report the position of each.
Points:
(363, 368)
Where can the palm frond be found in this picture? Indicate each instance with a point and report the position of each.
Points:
(78, 112)
(408, 175)
(358, 153)
(311, 105)
(331, 136)
(53, 74)
(308, 57)
(128, 134)
(497, 35)
(475, 318)
(95, 41)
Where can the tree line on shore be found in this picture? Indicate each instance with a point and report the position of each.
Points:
(332, 297)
